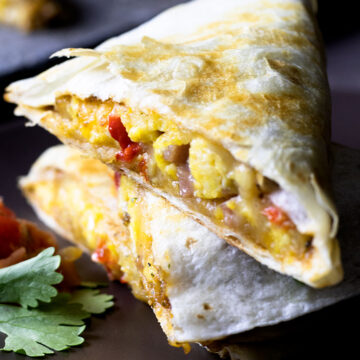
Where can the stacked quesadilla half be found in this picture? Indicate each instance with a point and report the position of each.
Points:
(215, 118)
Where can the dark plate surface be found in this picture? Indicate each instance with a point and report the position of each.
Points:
(91, 21)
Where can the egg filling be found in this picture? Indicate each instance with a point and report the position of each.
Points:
(187, 165)
(118, 240)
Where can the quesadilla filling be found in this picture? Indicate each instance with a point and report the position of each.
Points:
(187, 165)
(119, 243)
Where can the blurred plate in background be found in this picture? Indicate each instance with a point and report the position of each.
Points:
(89, 23)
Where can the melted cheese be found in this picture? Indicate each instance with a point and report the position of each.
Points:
(154, 277)
(210, 167)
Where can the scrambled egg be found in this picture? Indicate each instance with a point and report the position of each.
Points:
(88, 117)
(210, 166)
(141, 127)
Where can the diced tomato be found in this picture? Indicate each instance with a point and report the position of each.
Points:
(128, 154)
(10, 237)
(102, 254)
(129, 149)
(118, 131)
(276, 216)
(37, 239)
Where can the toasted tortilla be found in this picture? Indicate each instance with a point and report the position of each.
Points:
(202, 289)
(245, 82)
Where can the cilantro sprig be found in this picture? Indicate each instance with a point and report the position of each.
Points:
(46, 321)
(31, 280)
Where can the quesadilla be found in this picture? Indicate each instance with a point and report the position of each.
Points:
(199, 287)
(28, 15)
(220, 107)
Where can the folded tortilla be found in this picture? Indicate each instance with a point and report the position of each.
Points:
(225, 114)
(200, 288)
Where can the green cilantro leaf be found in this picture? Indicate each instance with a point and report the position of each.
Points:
(31, 280)
(36, 332)
(92, 300)
(53, 321)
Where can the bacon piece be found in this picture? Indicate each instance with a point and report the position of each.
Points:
(177, 154)
(186, 185)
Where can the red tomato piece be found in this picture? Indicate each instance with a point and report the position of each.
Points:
(129, 149)
(10, 237)
(102, 254)
(277, 216)
(118, 131)
(128, 154)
